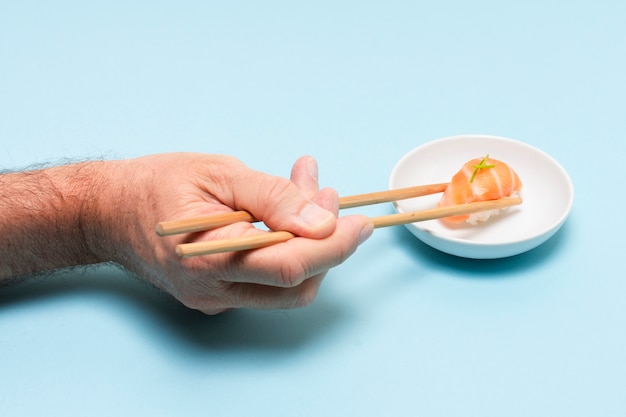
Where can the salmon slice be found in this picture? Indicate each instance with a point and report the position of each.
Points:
(480, 179)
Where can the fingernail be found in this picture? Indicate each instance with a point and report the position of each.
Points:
(314, 215)
(312, 167)
(365, 232)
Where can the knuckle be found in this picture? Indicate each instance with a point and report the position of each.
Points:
(194, 303)
(205, 299)
(276, 192)
(292, 273)
(307, 294)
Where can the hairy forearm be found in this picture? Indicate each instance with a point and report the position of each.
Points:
(44, 217)
(105, 211)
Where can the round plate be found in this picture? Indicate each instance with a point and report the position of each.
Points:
(547, 192)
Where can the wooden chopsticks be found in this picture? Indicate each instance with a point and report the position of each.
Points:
(197, 224)
(202, 223)
(186, 250)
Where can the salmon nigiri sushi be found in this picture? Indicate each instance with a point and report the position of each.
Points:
(480, 180)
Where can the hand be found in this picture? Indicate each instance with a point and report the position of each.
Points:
(141, 192)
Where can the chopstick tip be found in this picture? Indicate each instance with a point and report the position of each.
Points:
(159, 230)
(180, 252)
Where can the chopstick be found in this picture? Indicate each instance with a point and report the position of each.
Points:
(202, 223)
(187, 250)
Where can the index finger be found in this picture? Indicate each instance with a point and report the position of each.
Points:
(289, 263)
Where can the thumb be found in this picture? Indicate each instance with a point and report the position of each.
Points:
(280, 204)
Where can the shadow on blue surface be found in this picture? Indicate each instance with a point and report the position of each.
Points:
(176, 327)
(161, 317)
(486, 268)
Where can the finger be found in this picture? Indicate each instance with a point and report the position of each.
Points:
(304, 175)
(290, 263)
(328, 198)
(242, 295)
(212, 311)
(278, 202)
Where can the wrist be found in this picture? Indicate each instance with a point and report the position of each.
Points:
(102, 213)
(41, 219)
(115, 214)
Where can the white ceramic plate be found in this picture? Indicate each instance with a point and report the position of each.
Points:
(547, 192)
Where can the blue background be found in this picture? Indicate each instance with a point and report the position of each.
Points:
(399, 329)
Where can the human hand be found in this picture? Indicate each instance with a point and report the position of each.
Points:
(141, 192)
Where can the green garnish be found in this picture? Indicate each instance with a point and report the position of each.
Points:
(482, 165)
